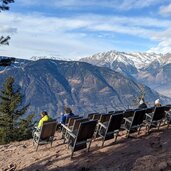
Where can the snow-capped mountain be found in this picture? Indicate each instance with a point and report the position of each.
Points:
(138, 60)
(51, 84)
(148, 68)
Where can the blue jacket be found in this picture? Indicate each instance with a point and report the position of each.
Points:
(64, 117)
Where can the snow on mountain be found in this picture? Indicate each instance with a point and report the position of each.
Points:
(51, 84)
(148, 68)
(137, 59)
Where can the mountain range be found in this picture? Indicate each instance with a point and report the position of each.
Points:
(153, 70)
(52, 84)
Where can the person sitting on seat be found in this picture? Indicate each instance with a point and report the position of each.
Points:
(68, 114)
(44, 117)
(142, 104)
(157, 103)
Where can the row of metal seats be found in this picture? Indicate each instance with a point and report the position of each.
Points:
(79, 132)
(109, 125)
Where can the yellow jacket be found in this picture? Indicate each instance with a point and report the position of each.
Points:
(45, 118)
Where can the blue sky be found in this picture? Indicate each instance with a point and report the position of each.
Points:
(71, 29)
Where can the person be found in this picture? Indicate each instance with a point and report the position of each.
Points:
(142, 104)
(68, 114)
(44, 117)
(157, 103)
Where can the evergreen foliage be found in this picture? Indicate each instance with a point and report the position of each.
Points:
(4, 6)
(4, 40)
(12, 125)
(7, 61)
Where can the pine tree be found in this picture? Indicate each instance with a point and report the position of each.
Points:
(4, 4)
(6, 61)
(3, 7)
(12, 124)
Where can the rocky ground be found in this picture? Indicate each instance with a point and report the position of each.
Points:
(146, 152)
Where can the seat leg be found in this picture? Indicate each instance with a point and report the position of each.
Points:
(96, 132)
(103, 140)
(51, 143)
(167, 125)
(127, 134)
(148, 129)
(139, 129)
(116, 136)
(65, 136)
(69, 141)
(63, 133)
(72, 152)
(37, 146)
(73, 148)
(159, 125)
(89, 146)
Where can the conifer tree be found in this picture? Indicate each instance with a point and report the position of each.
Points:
(4, 4)
(3, 7)
(12, 124)
(6, 61)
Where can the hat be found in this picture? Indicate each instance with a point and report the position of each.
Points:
(157, 101)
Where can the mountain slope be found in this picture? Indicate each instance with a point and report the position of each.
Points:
(149, 68)
(51, 84)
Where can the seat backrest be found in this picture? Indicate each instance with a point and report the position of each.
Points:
(48, 129)
(91, 115)
(115, 122)
(119, 111)
(67, 119)
(128, 113)
(149, 110)
(167, 107)
(71, 120)
(86, 130)
(104, 118)
(159, 113)
(138, 117)
(116, 111)
(77, 123)
(96, 116)
(111, 112)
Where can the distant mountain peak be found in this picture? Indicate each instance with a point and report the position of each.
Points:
(148, 68)
(137, 59)
(51, 84)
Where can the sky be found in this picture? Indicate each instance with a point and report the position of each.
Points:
(71, 29)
